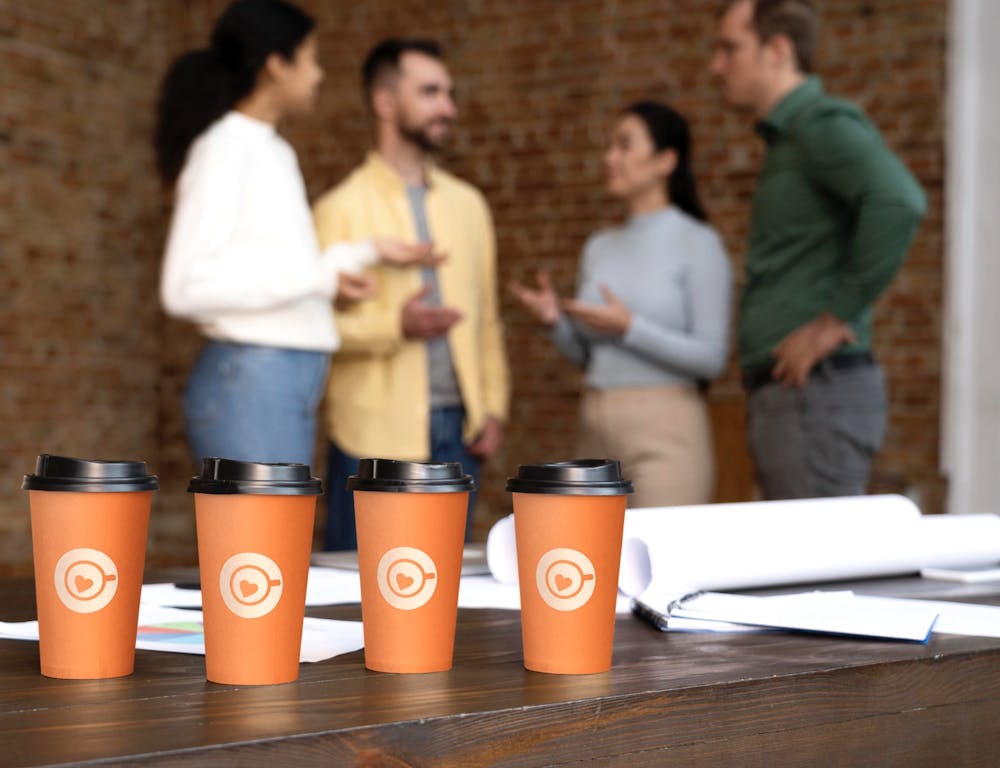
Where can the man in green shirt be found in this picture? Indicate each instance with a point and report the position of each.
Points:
(833, 216)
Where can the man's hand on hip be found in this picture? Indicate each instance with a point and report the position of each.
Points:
(426, 321)
(804, 347)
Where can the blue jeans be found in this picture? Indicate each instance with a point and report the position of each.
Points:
(254, 403)
(446, 445)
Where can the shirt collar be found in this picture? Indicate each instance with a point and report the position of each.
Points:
(651, 217)
(249, 124)
(789, 107)
(388, 176)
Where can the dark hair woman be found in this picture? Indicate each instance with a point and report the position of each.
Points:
(242, 260)
(651, 315)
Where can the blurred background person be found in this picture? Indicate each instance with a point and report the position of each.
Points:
(833, 216)
(650, 319)
(242, 260)
(422, 373)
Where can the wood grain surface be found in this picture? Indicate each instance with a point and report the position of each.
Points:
(768, 699)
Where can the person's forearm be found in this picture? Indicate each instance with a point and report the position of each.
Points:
(697, 356)
(198, 281)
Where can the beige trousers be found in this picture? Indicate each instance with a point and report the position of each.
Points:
(661, 435)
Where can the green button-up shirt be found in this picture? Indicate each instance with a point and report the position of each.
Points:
(833, 216)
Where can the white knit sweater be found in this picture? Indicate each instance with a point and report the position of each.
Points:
(242, 259)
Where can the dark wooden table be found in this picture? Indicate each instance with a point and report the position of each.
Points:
(671, 699)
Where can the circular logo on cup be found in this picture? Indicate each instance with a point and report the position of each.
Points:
(407, 577)
(251, 584)
(565, 578)
(86, 580)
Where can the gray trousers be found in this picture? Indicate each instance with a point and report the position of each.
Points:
(820, 440)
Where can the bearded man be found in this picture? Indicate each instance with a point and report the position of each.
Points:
(421, 374)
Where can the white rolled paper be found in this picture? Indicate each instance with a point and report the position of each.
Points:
(769, 543)
(501, 551)
(957, 541)
(773, 543)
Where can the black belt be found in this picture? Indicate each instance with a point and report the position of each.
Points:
(757, 376)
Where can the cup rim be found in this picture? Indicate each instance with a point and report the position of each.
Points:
(395, 476)
(67, 473)
(575, 477)
(221, 476)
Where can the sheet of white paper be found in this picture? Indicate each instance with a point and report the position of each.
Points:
(325, 638)
(681, 624)
(963, 575)
(19, 630)
(829, 613)
(170, 595)
(326, 586)
(332, 586)
(623, 604)
(953, 618)
(173, 630)
(487, 592)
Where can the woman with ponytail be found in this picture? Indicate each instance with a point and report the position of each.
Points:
(242, 260)
(650, 319)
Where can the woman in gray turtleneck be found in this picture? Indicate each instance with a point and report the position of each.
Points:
(650, 320)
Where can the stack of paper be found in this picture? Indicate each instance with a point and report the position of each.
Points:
(834, 613)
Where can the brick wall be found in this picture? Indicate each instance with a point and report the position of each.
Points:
(89, 366)
(80, 221)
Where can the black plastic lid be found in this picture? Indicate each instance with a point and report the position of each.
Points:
(224, 476)
(393, 476)
(580, 477)
(62, 473)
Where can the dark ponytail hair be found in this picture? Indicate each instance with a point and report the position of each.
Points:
(203, 85)
(669, 130)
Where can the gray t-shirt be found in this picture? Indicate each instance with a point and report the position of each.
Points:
(444, 384)
(673, 274)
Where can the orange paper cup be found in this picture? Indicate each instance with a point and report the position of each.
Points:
(568, 520)
(255, 524)
(411, 527)
(88, 530)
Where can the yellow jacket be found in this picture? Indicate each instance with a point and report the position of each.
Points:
(378, 398)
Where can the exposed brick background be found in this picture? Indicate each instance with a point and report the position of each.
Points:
(80, 225)
(88, 366)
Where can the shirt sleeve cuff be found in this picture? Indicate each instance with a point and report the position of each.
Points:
(845, 307)
(351, 257)
(561, 330)
(641, 334)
